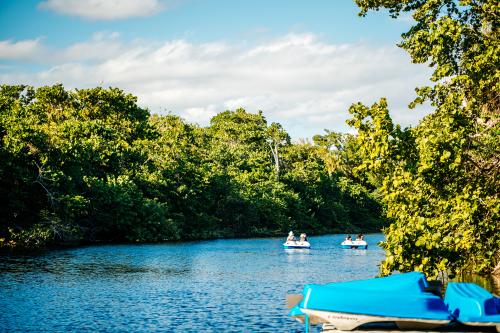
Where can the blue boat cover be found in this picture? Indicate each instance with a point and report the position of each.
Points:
(468, 302)
(399, 296)
(414, 282)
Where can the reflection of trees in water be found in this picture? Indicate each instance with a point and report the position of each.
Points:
(27, 264)
(104, 264)
(496, 284)
(490, 283)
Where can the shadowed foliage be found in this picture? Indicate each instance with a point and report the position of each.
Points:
(92, 166)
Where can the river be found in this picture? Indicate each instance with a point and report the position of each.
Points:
(235, 285)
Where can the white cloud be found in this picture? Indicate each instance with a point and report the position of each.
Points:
(100, 47)
(23, 50)
(298, 80)
(104, 9)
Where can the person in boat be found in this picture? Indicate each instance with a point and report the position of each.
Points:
(348, 238)
(303, 237)
(291, 237)
(361, 237)
(358, 237)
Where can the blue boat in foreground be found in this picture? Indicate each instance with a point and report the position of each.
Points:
(402, 299)
(405, 299)
(471, 305)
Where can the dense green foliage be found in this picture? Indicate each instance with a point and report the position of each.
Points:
(90, 165)
(440, 180)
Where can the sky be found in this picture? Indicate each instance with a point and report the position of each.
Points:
(303, 63)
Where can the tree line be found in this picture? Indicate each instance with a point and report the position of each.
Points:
(91, 165)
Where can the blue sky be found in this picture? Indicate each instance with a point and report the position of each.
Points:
(301, 62)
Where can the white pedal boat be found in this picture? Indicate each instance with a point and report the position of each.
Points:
(297, 245)
(354, 244)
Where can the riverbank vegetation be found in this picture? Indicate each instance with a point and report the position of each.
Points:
(440, 180)
(90, 165)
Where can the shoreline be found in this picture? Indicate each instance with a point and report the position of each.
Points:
(83, 244)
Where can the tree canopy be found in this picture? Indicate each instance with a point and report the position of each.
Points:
(440, 179)
(91, 165)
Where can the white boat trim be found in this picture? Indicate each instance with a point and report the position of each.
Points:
(481, 323)
(489, 324)
(348, 321)
(307, 297)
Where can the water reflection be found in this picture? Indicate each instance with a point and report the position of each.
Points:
(356, 252)
(70, 265)
(491, 283)
(120, 269)
(297, 251)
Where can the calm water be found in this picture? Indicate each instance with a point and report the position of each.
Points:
(213, 286)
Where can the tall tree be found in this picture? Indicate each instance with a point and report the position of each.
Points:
(444, 197)
(276, 138)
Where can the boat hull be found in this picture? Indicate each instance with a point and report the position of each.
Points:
(356, 244)
(482, 324)
(296, 245)
(348, 321)
(361, 247)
